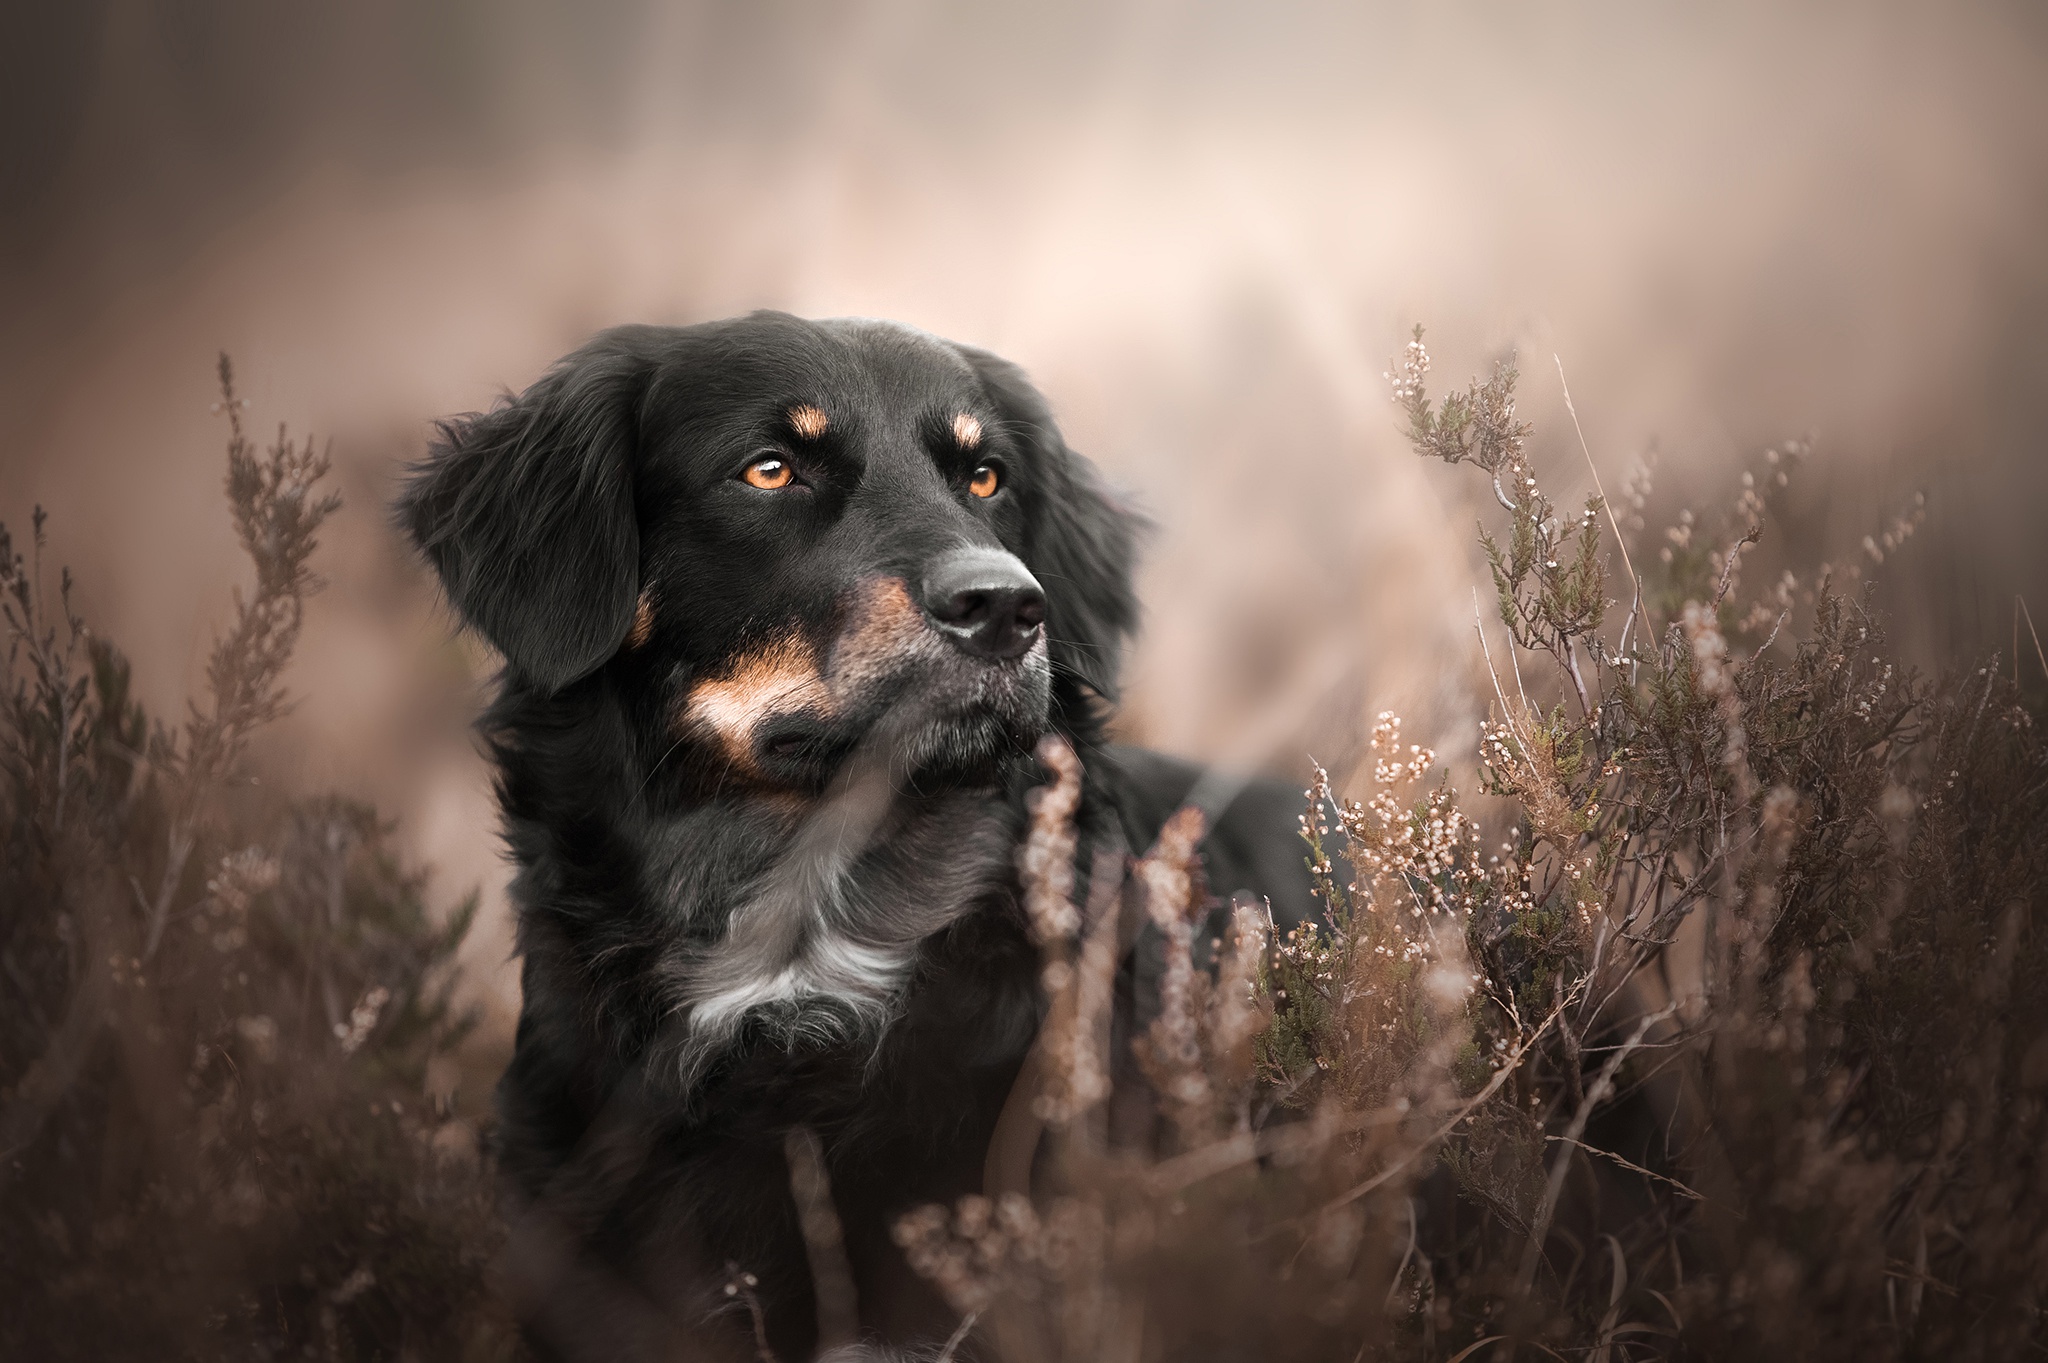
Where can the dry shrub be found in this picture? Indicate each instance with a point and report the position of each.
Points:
(1729, 1042)
(1729, 1046)
(220, 1008)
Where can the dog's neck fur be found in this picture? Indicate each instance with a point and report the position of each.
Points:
(819, 944)
(693, 922)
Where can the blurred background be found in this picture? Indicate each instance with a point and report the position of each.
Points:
(1203, 228)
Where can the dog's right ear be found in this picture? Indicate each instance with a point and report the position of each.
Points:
(527, 513)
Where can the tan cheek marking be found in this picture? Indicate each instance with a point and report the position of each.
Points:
(773, 681)
(967, 431)
(808, 421)
(643, 622)
(888, 629)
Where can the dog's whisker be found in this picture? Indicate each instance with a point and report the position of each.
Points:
(669, 752)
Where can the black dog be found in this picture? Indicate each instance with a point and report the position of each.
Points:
(785, 606)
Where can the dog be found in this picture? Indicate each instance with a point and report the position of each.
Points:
(784, 607)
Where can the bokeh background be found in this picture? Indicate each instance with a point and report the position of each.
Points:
(1204, 228)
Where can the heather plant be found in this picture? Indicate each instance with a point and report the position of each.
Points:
(1724, 1042)
(1720, 1038)
(220, 1005)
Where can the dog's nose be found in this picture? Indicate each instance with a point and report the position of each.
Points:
(986, 602)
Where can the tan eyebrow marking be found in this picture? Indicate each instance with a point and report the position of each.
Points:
(643, 621)
(967, 431)
(808, 421)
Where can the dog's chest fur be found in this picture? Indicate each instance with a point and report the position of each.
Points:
(813, 939)
(791, 943)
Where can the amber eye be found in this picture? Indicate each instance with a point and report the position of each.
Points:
(985, 481)
(768, 474)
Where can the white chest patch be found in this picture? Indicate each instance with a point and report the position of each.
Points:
(825, 943)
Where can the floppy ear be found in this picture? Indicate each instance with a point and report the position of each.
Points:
(1081, 542)
(526, 511)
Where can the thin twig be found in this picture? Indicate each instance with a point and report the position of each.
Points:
(1571, 658)
(1602, 1087)
(1183, 1171)
(1751, 536)
(1501, 496)
(953, 1340)
(1500, 1076)
(1683, 1191)
(1506, 711)
(1402, 1267)
(1783, 616)
(1607, 506)
(832, 1280)
(2039, 656)
(740, 1283)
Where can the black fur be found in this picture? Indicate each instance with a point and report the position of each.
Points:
(527, 513)
(682, 827)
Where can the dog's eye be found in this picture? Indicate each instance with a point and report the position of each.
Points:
(769, 474)
(985, 481)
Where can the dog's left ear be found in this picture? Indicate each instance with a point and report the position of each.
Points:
(1081, 542)
(527, 513)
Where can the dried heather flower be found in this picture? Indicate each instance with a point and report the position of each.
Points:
(1237, 1011)
(1074, 1076)
(1171, 1051)
(985, 1248)
(1046, 860)
(362, 1019)
(1075, 1032)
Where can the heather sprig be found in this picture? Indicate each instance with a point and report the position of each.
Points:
(228, 1008)
(1713, 1046)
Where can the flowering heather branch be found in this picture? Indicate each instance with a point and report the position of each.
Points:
(277, 515)
(1738, 964)
(250, 1138)
(1068, 1060)
(362, 1020)
(1238, 1009)
(1171, 1051)
(1073, 1043)
(1478, 425)
(1045, 863)
(1548, 577)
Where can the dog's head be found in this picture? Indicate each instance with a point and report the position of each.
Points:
(783, 537)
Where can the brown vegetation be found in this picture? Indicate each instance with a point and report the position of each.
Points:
(1726, 1047)
(220, 1008)
(1720, 1038)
